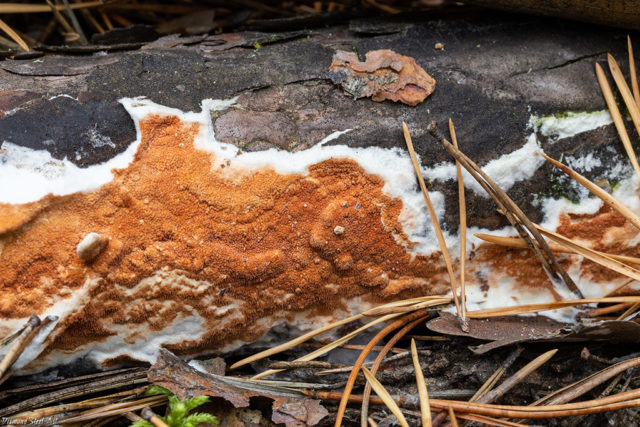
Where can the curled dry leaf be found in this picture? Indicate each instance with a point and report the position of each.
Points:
(289, 407)
(384, 74)
(509, 330)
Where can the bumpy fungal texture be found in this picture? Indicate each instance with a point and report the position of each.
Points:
(202, 259)
(188, 242)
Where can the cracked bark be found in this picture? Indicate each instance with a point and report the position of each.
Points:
(481, 85)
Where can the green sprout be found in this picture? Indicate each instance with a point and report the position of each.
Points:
(179, 410)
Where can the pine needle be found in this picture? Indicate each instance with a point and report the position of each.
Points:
(385, 396)
(617, 117)
(516, 378)
(14, 36)
(452, 418)
(37, 8)
(629, 100)
(517, 242)
(376, 364)
(463, 224)
(594, 256)
(294, 342)
(603, 195)
(632, 71)
(425, 408)
(321, 351)
(434, 220)
(535, 308)
(344, 400)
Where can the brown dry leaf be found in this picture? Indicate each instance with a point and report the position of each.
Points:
(507, 330)
(289, 407)
(384, 74)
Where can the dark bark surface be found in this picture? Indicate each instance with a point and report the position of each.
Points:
(492, 75)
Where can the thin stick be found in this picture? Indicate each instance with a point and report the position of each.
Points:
(617, 117)
(463, 224)
(436, 225)
(593, 188)
(517, 242)
(14, 36)
(620, 286)
(386, 397)
(516, 378)
(425, 408)
(632, 71)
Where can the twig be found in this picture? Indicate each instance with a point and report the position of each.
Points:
(89, 403)
(132, 378)
(606, 310)
(436, 226)
(304, 365)
(516, 217)
(294, 342)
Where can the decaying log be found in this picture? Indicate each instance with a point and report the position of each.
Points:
(201, 259)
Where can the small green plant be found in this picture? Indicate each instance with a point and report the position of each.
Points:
(179, 410)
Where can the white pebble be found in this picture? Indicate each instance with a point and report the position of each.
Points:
(91, 246)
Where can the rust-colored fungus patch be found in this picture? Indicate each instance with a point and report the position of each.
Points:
(222, 258)
(187, 241)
